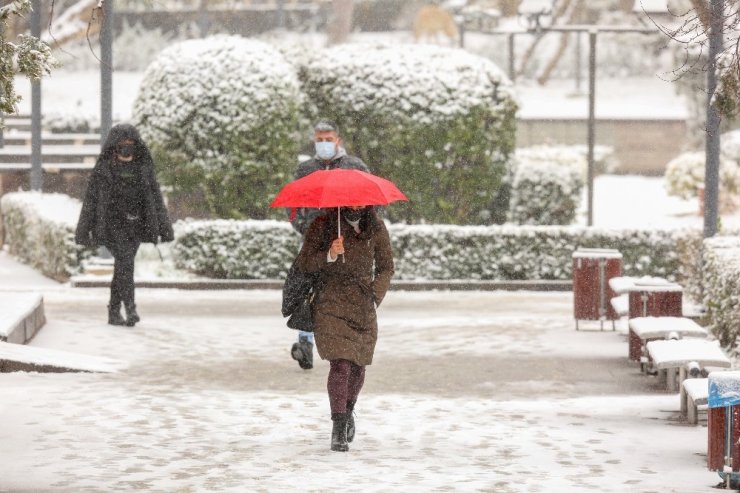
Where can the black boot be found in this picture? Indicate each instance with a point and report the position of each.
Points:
(339, 432)
(350, 421)
(114, 314)
(302, 352)
(131, 316)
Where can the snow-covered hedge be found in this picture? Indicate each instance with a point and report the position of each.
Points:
(437, 121)
(721, 280)
(575, 156)
(221, 116)
(229, 249)
(39, 229)
(265, 249)
(70, 122)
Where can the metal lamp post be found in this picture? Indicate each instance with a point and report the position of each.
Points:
(36, 170)
(106, 70)
(711, 180)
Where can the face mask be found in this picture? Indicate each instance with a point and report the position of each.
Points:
(352, 215)
(126, 150)
(326, 150)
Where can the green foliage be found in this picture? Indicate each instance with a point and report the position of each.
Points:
(264, 249)
(221, 115)
(28, 56)
(438, 122)
(721, 276)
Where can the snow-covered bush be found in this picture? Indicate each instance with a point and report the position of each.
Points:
(544, 193)
(684, 176)
(69, 123)
(265, 249)
(229, 249)
(437, 121)
(220, 115)
(721, 278)
(575, 156)
(39, 230)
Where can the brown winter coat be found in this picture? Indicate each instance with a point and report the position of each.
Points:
(346, 326)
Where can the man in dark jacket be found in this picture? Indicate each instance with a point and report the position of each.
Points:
(329, 154)
(123, 207)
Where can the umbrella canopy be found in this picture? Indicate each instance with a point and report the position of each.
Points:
(337, 188)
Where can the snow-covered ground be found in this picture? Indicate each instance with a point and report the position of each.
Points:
(468, 392)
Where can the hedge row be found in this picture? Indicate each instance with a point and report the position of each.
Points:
(39, 229)
(265, 249)
(721, 279)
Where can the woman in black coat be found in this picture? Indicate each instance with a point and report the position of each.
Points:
(123, 207)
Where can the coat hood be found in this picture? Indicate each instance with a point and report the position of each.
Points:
(119, 133)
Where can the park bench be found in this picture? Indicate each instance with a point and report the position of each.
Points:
(646, 329)
(694, 394)
(621, 305)
(670, 357)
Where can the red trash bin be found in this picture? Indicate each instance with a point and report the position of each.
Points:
(654, 298)
(592, 269)
(723, 426)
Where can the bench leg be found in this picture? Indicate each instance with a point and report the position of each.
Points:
(692, 415)
(683, 398)
(671, 378)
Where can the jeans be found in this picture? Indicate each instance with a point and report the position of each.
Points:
(307, 335)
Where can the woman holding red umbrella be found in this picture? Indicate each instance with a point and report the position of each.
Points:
(346, 326)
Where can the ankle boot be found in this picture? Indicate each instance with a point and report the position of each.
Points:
(350, 421)
(131, 316)
(339, 432)
(114, 314)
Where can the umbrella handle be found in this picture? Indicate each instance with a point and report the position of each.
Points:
(339, 226)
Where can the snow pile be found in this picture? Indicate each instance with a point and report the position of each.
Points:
(265, 249)
(219, 113)
(39, 230)
(720, 280)
(437, 121)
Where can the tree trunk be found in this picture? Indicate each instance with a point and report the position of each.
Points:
(564, 39)
(340, 21)
(557, 13)
(702, 12)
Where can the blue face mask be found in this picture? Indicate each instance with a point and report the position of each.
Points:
(326, 150)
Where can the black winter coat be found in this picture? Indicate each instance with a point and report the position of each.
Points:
(92, 227)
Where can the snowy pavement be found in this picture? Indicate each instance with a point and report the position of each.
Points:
(469, 391)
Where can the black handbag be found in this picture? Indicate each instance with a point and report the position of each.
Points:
(299, 292)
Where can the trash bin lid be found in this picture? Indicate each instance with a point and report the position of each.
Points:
(724, 389)
(597, 253)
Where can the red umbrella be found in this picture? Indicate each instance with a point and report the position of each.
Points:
(338, 188)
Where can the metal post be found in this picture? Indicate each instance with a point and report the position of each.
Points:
(106, 70)
(512, 71)
(36, 170)
(591, 120)
(578, 61)
(204, 23)
(711, 181)
(281, 14)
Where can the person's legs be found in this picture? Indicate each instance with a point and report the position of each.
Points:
(354, 385)
(114, 306)
(337, 385)
(124, 253)
(302, 351)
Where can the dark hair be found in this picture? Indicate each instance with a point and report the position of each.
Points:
(326, 126)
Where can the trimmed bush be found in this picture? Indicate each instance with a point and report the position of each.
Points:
(39, 230)
(684, 176)
(721, 280)
(439, 122)
(221, 116)
(265, 249)
(544, 190)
